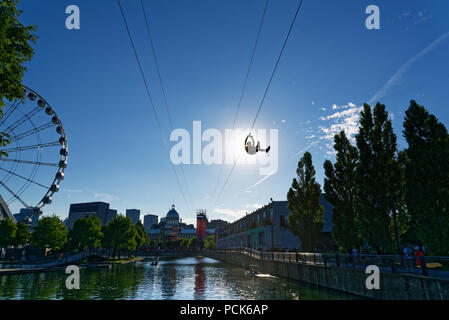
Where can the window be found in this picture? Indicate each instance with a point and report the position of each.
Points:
(282, 221)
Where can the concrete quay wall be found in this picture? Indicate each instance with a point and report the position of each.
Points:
(393, 286)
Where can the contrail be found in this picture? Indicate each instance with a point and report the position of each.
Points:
(261, 180)
(403, 69)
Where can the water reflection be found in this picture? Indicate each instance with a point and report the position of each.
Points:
(185, 278)
(200, 279)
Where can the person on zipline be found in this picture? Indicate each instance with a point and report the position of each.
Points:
(251, 147)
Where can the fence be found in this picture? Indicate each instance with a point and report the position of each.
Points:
(52, 261)
(426, 266)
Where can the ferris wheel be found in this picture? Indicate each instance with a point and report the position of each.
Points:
(32, 165)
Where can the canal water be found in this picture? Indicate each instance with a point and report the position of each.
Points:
(184, 278)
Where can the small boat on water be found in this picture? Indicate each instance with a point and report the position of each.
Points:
(155, 262)
(253, 270)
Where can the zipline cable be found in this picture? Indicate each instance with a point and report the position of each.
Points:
(162, 88)
(276, 65)
(245, 82)
(151, 99)
(265, 94)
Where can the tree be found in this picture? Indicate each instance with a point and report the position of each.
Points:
(427, 177)
(86, 233)
(340, 190)
(193, 243)
(7, 233)
(183, 243)
(120, 234)
(141, 235)
(209, 242)
(153, 243)
(15, 50)
(306, 214)
(50, 233)
(23, 234)
(378, 180)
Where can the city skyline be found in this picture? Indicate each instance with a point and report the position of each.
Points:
(326, 74)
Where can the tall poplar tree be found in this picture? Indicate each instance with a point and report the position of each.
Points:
(427, 177)
(306, 214)
(378, 177)
(340, 190)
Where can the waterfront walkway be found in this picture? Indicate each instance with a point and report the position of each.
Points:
(46, 264)
(56, 263)
(434, 267)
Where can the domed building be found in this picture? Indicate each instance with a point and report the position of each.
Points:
(172, 228)
(172, 215)
(170, 225)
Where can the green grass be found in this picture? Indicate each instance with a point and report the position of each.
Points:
(110, 260)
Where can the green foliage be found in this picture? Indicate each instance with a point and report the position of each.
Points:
(378, 179)
(209, 242)
(23, 234)
(141, 235)
(306, 214)
(8, 231)
(86, 233)
(120, 234)
(340, 189)
(184, 243)
(382, 195)
(192, 243)
(15, 51)
(51, 233)
(427, 178)
(154, 243)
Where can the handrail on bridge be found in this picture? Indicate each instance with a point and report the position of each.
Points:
(427, 266)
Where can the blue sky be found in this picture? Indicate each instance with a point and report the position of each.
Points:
(331, 66)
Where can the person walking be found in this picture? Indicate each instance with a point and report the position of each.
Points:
(418, 254)
(408, 257)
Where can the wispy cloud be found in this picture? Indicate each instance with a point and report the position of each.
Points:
(343, 117)
(189, 221)
(253, 206)
(408, 17)
(346, 120)
(72, 190)
(404, 68)
(236, 214)
(105, 197)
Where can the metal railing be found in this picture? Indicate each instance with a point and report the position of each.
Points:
(431, 266)
(55, 260)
